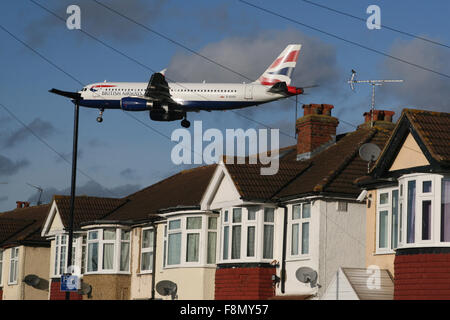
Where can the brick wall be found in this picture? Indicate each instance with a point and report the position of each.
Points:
(254, 283)
(422, 276)
(57, 294)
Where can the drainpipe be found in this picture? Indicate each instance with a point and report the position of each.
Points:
(154, 260)
(283, 259)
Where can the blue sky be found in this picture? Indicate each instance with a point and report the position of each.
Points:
(121, 154)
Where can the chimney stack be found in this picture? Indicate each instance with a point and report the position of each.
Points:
(316, 130)
(22, 204)
(381, 118)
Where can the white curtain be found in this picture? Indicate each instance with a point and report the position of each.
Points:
(445, 210)
(124, 256)
(192, 247)
(383, 225)
(212, 241)
(173, 256)
(250, 241)
(236, 242)
(268, 242)
(225, 242)
(305, 238)
(108, 256)
(93, 256)
(295, 239)
(147, 261)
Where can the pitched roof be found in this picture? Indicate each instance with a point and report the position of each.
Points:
(434, 131)
(335, 169)
(23, 225)
(184, 189)
(251, 185)
(86, 208)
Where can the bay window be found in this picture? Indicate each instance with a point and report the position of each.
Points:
(108, 250)
(191, 240)
(247, 234)
(13, 265)
(415, 213)
(300, 220)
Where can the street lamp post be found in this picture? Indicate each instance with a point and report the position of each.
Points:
(72, 188)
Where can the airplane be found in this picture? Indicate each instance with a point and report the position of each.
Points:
(172, 101)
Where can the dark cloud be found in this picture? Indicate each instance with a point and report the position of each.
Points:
(252, 55)
(90, 188)
(130, 174)
(98, 20)
(40, 127)
(421, 89)
(9, 167)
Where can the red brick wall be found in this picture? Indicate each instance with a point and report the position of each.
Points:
(57, 294)
(244, 283)
(422, 276)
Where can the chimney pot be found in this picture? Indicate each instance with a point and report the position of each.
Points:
(19, 204)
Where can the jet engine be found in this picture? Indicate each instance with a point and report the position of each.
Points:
(163, 115)
(135, 104)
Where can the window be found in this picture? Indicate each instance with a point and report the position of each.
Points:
(191, 240)
(247, 234)
(13, 265)
(61, 254)
(1, 267)
(212, 240)
(300, 221)
(269, 219)
(108, 250)
(411, 211)
(342, 206)
(147, 250)
(445, 210)
(387, 220)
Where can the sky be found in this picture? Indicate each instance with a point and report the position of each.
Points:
(124, 154)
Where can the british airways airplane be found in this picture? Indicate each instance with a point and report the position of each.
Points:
(171, 101)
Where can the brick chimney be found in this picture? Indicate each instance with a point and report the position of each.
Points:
(316, 130)
(381, 118)
(22, 204)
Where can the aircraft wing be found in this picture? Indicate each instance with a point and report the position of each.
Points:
(158, 89)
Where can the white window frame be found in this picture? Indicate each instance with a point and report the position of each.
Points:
(146, 250)
(117, 244)
(1, 267)
(203, 240)
(208, 231)
(387, 207)
(77, 253)
(13, 265)
(258, 223)
(299, 221)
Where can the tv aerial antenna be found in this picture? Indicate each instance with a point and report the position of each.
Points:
(38, 188)
(373, 83)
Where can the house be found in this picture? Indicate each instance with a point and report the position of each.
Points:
(23, 252)
(408, 206)
(304, 216)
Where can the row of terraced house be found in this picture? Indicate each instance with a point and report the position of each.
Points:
(378, 230)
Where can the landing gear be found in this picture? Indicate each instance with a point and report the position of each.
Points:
(100, 116)
(185, 123)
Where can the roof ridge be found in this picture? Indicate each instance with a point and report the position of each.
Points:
(333, 174)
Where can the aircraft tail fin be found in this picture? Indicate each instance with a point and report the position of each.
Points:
(283, 66)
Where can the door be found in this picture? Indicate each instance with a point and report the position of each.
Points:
(249, 91)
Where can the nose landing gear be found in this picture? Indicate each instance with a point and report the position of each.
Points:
(100, 116)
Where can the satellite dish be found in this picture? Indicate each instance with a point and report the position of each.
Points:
(369, 152)
(85, 289)
(306, 275)
(167, 288)
(36, 282)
